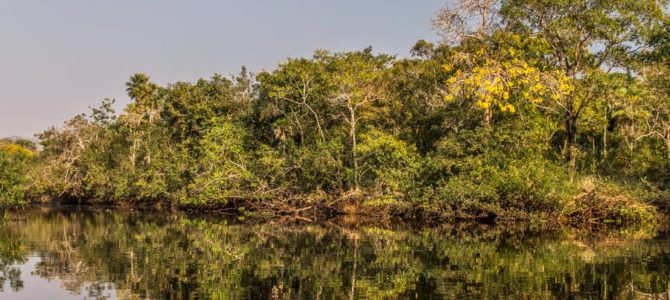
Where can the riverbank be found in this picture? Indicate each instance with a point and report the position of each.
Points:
(596, 207)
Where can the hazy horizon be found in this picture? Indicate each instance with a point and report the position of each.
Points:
(59, 59)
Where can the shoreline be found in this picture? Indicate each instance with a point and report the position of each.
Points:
(407, 215)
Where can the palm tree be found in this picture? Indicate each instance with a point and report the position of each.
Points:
(143, 92)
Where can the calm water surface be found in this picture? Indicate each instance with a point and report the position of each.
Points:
(84, 254)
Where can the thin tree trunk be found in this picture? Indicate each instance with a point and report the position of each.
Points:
(152, 111)
(352, 132)
(488, 118)
(571, 137)
(301, 131)
(605, 142)
(133, 153)
(318, 123)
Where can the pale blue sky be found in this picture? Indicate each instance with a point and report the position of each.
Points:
(58, 57)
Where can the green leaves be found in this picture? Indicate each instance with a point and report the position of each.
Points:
(14, 160)
(224, 169)
(388, 164)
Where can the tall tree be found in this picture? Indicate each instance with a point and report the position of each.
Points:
(359, 80)
(298, 89)
(145, 105)
(584, 37)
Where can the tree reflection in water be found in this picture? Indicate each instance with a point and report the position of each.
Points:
(145, 255)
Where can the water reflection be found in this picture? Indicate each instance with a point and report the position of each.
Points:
(129, 255)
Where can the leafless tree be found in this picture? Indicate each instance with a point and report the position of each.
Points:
(463, 19)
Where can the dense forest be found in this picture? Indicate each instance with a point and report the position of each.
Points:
(526, 109)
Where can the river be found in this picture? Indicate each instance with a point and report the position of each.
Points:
(79, 253)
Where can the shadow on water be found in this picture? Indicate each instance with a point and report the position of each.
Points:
(136, 255)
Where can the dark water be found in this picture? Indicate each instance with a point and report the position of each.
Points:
(57, 254)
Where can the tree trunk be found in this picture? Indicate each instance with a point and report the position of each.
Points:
(152, 111)
(133, 153)
(352, 132)
(488, 118)
(605, 143)
(571, 137)
(318, 123)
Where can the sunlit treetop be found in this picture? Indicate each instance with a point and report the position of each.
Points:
(503, 78)
(17, 150)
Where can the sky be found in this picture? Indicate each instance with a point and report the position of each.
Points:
(58, 58)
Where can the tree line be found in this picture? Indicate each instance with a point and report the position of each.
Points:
(524, 108)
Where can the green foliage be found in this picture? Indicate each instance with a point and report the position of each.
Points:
(388, 165)
(525, 185)
(320, 167)
(189, 107)
(14, 159)
(223, 170)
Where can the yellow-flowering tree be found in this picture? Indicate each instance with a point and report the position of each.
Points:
(501, 81)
